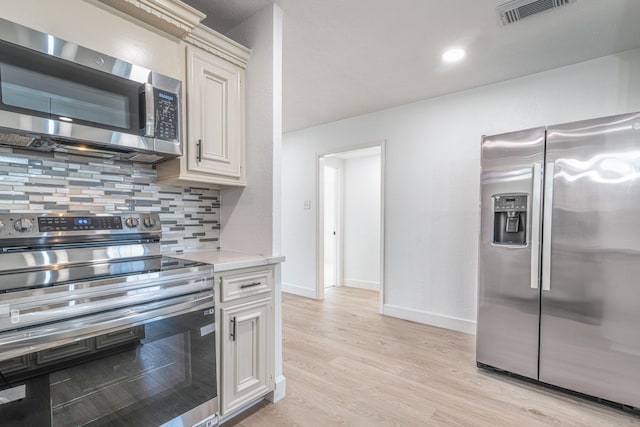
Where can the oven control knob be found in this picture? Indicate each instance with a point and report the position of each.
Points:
(131, 222)
(149, 221)
(23, 224)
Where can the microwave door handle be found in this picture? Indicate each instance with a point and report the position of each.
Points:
(148, 115)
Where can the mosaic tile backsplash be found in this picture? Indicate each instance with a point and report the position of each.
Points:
(55, 182)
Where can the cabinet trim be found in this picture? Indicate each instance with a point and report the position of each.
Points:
(172, 16)
(219, 45)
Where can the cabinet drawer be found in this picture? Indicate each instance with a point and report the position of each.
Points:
(245, 284)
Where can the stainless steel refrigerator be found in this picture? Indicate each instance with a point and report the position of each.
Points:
(559, 258)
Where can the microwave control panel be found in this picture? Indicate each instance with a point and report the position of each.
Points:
(166, 115)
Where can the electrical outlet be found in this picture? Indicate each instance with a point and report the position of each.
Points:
(307, 204)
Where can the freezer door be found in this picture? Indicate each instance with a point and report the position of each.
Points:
(590, 323)
(508, 291)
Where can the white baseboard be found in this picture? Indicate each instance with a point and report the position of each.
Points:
(433, 319)
(280, 389)
(362, 284)
(298, 290)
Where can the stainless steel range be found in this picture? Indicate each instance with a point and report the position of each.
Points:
(98, 328)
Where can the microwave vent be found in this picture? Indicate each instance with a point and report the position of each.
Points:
(47, 144)
(15, 140)
(516, 10)
(144, 158)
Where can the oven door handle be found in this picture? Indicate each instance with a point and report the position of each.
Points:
(18, 343)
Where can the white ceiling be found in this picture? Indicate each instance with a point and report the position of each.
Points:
(343, 58)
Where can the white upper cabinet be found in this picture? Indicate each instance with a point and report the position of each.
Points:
(213, 144)
(215, 119)
(213, 67)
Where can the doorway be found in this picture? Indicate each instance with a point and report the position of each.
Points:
(332, 200)
(350, 220)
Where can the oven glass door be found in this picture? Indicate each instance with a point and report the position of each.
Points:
(145, 375)
(37, 84)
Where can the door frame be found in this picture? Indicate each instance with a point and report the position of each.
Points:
(338, 196)
(319, 294)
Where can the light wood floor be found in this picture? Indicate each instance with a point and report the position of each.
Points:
(348, 365)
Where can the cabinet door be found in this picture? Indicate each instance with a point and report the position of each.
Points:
(215, 109)
(246, 360)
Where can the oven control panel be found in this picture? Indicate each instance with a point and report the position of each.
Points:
(78, 223)
(29, 225)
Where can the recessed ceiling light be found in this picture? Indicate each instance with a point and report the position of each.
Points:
(453, 55)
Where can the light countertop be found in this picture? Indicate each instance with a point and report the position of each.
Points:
(228, 260)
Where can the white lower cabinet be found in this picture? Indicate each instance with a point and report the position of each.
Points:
(246, 375)
(246, 337)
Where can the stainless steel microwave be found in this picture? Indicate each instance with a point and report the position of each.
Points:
(57, 95)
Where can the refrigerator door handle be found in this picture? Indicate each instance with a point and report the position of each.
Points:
(547, 226)
(536, 207)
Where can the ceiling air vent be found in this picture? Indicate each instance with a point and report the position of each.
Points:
(516, 10)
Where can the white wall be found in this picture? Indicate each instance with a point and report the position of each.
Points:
(250, 216)
(432, 169)
(247, 213)
(361, 227)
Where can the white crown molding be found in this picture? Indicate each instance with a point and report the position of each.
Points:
(171, 16)
(219, 45)
(183, 21)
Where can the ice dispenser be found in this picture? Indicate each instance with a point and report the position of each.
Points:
(510, 219)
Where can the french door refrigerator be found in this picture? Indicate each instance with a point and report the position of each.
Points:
(559, 256)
